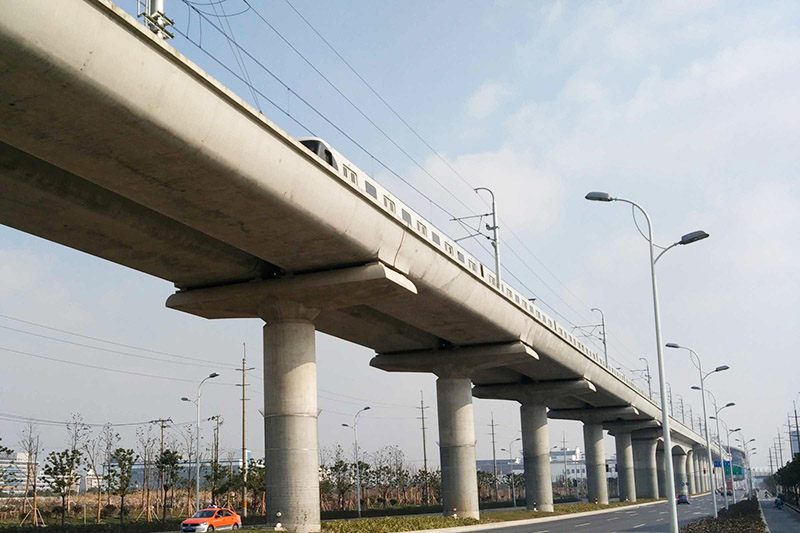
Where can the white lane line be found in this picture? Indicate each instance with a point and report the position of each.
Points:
(584, 524)
(637, 527)
(615, 518)
(659, 519)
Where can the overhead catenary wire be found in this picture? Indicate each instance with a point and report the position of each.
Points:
(439, 156)
(26, 419)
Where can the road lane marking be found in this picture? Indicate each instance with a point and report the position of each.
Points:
(584, 524)
(615, 518)
(637, 527)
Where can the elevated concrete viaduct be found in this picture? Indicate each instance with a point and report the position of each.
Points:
(115, 144)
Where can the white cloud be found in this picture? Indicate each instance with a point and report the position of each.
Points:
(487, 99)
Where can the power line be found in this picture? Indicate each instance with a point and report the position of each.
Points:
(96, 367)
(25, 419)
(168, 354)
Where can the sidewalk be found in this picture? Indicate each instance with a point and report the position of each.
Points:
(786, 520)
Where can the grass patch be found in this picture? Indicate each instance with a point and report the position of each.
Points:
(743, 517)
(414, 523)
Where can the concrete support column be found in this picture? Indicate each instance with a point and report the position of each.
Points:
(704, 475)
(536, 453)
(644, 467)
(457, 447)
(290, 417)
(698, 470)
(679, 469)
(625, 469)
(690, 472)
(597, 485)
(661, 473)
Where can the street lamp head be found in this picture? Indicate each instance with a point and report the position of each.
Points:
(599, 197)
(185, 399)
(729, 404)
(694, 236)
(367, 408)
(346, 425)
(695, 387)
(735, 430)
(721, 368)
(712, 417)
(673, 345)
(213, 375)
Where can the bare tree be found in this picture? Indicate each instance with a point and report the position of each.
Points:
(189, 440)
(110, 439)
(95, 450)
(78, 432)
(148, 445)
(31, 444)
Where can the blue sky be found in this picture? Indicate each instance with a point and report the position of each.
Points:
(690, 108)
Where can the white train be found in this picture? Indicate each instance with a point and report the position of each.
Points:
(392, 205)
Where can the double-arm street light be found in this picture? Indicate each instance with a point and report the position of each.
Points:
(719, 443)
(196, 402)
(354, 427)
(730, 454)
(665, 425)
(698, 364)
(747, 453)
(511, 466)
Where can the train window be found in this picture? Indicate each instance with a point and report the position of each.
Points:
(405, 215)
(422, 229)
(350, 174)
(371, 190)
(460, 257)
(508, 291)
(388, 203)
(449, 248)
(329, 158)
(516, 297)
(492, 281)
(435, 237)
(472, 265)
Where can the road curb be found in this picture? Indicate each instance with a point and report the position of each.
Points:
(763, 518)
(531, 521)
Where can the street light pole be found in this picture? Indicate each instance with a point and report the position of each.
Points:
(698, 364)
(196, 402)
(719, 445)
(511, 466)
(494, 228)
(665, 424)
(354, 427)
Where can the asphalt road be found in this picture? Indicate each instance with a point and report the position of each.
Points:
(650, 518)
(780, 521)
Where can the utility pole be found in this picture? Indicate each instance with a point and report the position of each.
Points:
(647, 369)
(669, 397)
(215, 456)
(494, 462)
(603, 326)
(796, 426)
(691, 417)
(243, 385)
(425, 488)
(566, 472)
(495, 242)
(780, 448)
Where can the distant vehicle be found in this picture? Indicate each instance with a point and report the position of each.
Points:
(683, 498)
(730, 492)
(212, 519)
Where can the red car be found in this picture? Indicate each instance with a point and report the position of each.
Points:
(212, 519)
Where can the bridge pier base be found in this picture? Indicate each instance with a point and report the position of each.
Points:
(690, 471)
(457, 447)
(661, 473)
(290, 417)
(679, 469)
(536, 453)
(625, 469)
(644, 466)
(597, 485)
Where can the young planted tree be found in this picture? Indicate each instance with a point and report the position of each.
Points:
(61, 471)
(189, 440)
(167, 466)
(382, 473)
(342, 475)
(5, 471)
(78, 436)
(148, 444)
(31, 445)
(120, 471)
